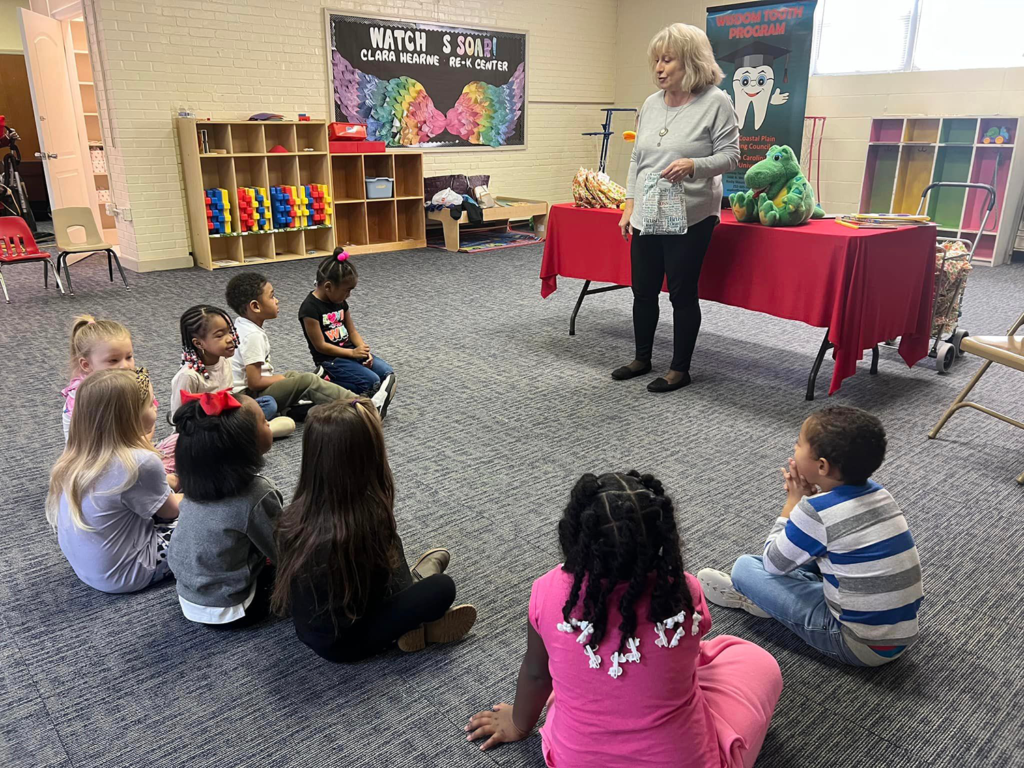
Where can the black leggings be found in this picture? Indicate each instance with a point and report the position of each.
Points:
(680, 258)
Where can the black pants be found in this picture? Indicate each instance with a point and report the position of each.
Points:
(259, 608)
(408, 605)
(680, 258)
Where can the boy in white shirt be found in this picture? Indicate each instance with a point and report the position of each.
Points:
(251, 295)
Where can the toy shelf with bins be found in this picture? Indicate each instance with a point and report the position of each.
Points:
(394, 223)
(240, 153)
(905, 155)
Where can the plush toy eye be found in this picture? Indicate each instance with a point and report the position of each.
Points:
(777, 157)
(745, 81)
(760, 80)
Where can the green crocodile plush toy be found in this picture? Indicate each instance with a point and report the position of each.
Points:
(778, 193)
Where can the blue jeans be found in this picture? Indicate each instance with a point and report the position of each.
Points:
(796, 600)
(268, 405)
(353, 375)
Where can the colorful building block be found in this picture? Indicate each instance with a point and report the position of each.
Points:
(218, 211)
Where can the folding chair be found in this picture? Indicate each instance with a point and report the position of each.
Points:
(1005, 350)
(17, 246)
(65, 219)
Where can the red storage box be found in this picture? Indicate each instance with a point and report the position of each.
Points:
(346, 132)
(356, 147)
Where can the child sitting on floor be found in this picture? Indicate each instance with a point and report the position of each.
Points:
(226, 528)
(100, 345)
(331, 334)
(840, 568)
(208, 339)
(341, 567)
(109, 500)
(251, 295)
(614, 648)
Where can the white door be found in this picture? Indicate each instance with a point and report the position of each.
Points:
(56, 119)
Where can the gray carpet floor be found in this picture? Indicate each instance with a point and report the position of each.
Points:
(498, 412)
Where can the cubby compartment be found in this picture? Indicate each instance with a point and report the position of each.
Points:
(319, 242)
(992, 167)
(219, 173)
(887, 131)
(985, 248)
(225, 251)
(958, 131)
(987, 124)
(79, 37)
(257, 247)
(247, 138)
(350, 224)
(89, 105)
(218, 136)
(409, 176)
(347, 171)
(411, 219)
(880, 176)
(946, 234)
(289, 244)
(280, 134)
(914, 174)
(92, 128)
(84, 66)
(946, 206)
(314, 169)
(921, 131)
(310, 136)
(380, 221)
(283, 171)
(251, 172)
(378, 165)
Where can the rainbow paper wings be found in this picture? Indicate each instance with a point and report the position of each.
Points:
(487, 114)
(400, 113)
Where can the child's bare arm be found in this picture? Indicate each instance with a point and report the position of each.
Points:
(315, 334)
(256, 381)
(503, 723)
(361, 346)
(169, 509)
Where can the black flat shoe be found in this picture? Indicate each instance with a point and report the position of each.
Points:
(625, 372)
(661, 384)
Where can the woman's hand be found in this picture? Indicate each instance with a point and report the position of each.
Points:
(678, 170)
(624, 226)
(497, 723)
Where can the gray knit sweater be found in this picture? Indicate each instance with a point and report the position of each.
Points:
(704, 130)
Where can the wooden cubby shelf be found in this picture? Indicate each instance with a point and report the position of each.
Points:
(905, 155)
(238, 154)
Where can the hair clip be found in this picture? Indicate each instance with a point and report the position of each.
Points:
(586, 630)
(212, 403)
(695, 629)
(634, 650)
(616, 670)
(343, 256)
(662, 641)
(564, 626)
(595, 660)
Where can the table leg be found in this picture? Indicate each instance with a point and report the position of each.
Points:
(451, 232)
(576, 309)
(826, 345)
(874, 360)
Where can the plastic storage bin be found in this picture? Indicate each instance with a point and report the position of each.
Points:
(379, 187)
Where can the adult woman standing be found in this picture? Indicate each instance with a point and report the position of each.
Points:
(687, 135)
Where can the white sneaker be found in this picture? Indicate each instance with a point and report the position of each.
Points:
(383, 397)
(719, 590)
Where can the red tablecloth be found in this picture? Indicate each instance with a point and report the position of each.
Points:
(865, 285)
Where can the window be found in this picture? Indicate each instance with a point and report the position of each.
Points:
(869, 36)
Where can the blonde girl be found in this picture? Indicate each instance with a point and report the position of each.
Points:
(109, 500)
(96, 345)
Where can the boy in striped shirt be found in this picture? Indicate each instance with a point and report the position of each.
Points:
(840, 568)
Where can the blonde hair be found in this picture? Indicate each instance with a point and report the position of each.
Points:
(691, 46)
(106, 426)
(87, 333)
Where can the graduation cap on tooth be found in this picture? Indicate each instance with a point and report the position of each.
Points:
(758, 54)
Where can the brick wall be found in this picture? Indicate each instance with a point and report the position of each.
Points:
(215, 58)
(849, 102)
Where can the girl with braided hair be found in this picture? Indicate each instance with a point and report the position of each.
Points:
(208, 339)
(615, 648)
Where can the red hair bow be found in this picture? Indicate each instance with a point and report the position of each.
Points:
(212, 403)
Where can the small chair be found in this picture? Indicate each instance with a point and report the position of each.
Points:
(1006, 350)
(17, 246)
(65, 219)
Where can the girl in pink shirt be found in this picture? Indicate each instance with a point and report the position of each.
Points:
(615, 648)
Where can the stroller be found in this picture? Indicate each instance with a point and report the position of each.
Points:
(952, 266)
(13, 196)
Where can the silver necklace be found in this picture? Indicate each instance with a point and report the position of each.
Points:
(664, 131)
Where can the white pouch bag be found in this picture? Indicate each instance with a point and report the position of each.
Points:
(664, 207)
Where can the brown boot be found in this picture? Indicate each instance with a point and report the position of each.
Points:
(432, 561)
(454, 625)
